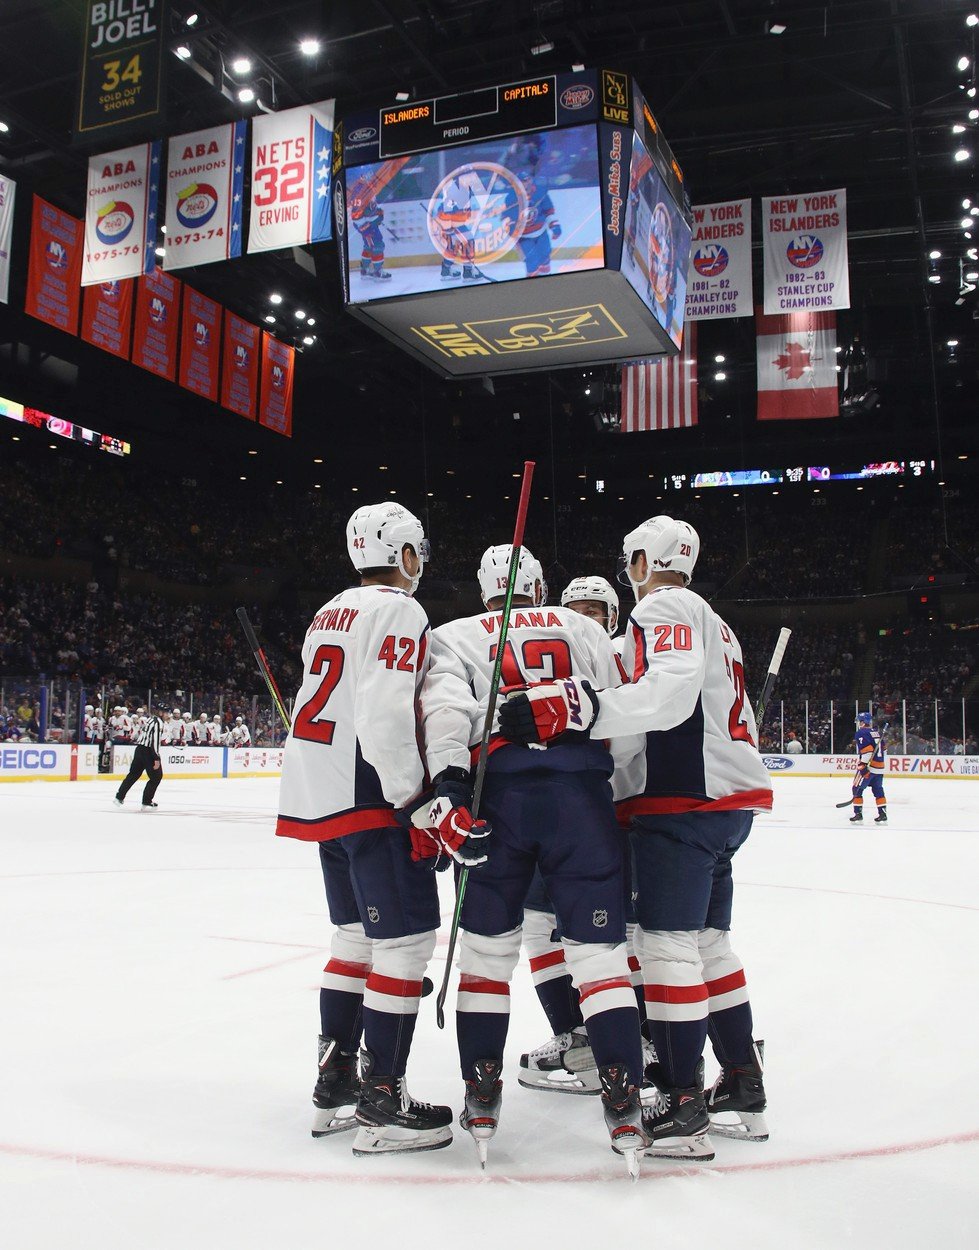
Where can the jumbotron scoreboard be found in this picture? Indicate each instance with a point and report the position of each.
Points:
(536, 224)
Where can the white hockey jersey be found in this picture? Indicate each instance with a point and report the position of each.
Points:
(352, 754)
(121, 728)
(197, 734)
(687, 693)
(542, 644)
(240, 736)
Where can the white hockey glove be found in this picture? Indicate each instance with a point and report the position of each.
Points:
(545, 711)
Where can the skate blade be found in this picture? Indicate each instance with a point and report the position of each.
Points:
(560, 1081)
(482, 1149)
(749, 1126)
(327, 1121)
(695, 1149)
(632, 1157)
(394, 1140)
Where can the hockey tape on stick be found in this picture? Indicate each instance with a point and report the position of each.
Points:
(263, 666)
(774, 664)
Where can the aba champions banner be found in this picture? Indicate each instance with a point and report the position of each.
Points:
(7, 192)
(54, 267)
(719, 277)
(200, 344)
(239, 374)
(290, 190)
(107, 316)
(155, 334)
(205, 177)
(806, 263)
(120, 214)
(275, 402)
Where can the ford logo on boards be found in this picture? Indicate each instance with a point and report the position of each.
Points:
(777, 763)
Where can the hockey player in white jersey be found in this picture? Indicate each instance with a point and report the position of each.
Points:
(352, 767)
(550, 808)
(240, 735)
(215, 731)
(694, 792)
(198, 734)
(174, 728)
(120, 725)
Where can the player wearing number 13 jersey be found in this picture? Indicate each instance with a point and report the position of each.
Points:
(352, 763)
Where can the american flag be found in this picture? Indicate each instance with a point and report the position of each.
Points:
(662, 395)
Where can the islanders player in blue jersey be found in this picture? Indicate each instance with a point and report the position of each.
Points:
(367, 217)
(524, 159)
(870, 769)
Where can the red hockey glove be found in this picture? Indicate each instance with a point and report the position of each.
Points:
(452, 831)
(544, 711)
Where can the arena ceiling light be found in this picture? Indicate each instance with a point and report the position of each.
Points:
(3, 128)
(775, 28)
(311, 321)
(963, 63)
(191, 19)
(934, 255)
(270, 319)
(720, 376)
(276, 298)
(402, 96)
(966, 223)
(300, 314)
(538, 49)
(309, 340)
(309, 47)
(962, 154)
(974, 115)
(246, 95)
(958, 129)
(182, 52)
(241, 65)
(719, 360)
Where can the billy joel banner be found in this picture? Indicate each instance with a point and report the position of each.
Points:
(239, 374)
(205, 177)
(107, 316)
(7, 191)
(200, 345)
(275, 403)
(155, 335)
(122, 63)
(796, 366)
(719, 277)
(54, 267)
(120, 214)
(290, 191)
(806, 265)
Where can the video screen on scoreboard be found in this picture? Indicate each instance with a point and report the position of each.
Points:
(656, 245)
(887, 468)
(737, 477)
(466, 216)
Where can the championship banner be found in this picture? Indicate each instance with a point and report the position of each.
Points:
(806, 265)
(54, 267)
(107, 316)
(290, 191)
(155, 335)
(797, 366)
(205, 179)
(275, 403)
(239, 376)
(8, 190)
(120, 214)
(122, 63)
(719, 278)
(200, 345)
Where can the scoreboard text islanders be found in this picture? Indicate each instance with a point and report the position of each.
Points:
(536, 224)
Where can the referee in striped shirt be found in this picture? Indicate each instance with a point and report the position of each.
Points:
(146, 759)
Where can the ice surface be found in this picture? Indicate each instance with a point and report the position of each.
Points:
(158, 1021)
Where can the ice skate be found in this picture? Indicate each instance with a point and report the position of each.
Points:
(118, 801)
(470, 273)
(484, 1097)
(449, 271)
(623, 1116)
(565, 1064)
(856, 818)
(147, 806)
(391, 1121)
(381, 274)
(881, 817)
(337, 1090)
(736, 1101)
(676, 1121)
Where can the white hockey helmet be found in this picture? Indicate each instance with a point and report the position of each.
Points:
(239, 720)
(597, 589)
(176, 711)
(670, 547)
(377, 534)
(187, 716)
(494, 568)
(203, 716)
(216, 718)
(89, 707)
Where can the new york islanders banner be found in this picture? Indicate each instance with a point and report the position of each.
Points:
(8, 189)
(120, 214)
(275, 402)
(155, 333)
(661, 394)
(239, 373)
(107, 316)
(290, 191)
(200, 344)
(54, 267)
(719, 277)
(806, 263)
(796, 366)
(205, 180)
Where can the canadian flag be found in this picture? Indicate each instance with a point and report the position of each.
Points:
(796, 366)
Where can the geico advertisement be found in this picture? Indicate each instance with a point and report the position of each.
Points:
(34, 761)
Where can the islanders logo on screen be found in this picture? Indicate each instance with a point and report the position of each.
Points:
(804, 251)
(158, 311)
(477, 213)
(114, 221)
(110, 290)
(56, 255)
(202, 335)
(710, 260)
(196, 204)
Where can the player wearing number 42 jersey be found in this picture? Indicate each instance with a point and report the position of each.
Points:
(352, 765)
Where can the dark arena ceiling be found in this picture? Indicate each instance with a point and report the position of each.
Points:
(861, 94)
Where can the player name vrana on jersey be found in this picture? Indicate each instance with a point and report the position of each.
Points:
(522, 620)
(334, 618)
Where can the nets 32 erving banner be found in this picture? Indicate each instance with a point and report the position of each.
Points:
(719, 277)
(120, 214)
(291, 202)
(205, 177)
(7, 191)
(806, 265)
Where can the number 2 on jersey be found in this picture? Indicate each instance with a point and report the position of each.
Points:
(543, 659)
(329, 657)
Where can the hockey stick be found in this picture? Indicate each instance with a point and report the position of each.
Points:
(883, 742)
(774, 664)
(263, 667)
(528, 476)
